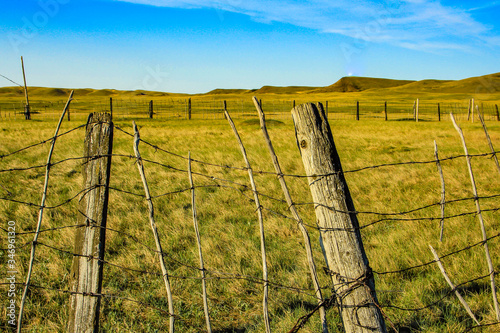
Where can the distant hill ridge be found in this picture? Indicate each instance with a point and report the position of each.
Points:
(479, 84)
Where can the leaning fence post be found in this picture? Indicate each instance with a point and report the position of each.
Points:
(265, 305)
(154, 229)
(27, 112)
(493, 152)
(87, 269)
(491, 267)
(337, 221)
(298, 219)
(40, 218)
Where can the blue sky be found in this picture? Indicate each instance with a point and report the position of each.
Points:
(195, 46)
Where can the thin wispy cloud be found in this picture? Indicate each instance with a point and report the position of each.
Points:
(428, 25)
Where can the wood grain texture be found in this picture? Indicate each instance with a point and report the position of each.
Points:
(337, 221)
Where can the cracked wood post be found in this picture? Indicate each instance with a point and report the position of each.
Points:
(337, 222)
(87, 269)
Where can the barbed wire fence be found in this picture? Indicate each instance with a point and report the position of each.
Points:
(206, 108)
(181, 266)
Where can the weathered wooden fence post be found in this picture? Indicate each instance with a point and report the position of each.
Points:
(189, 108)
(87, 269)
(385, 110)
(357, 110)
(439, 112)
(416, 110)
(337, 222)
(151, 109)
(111, 107)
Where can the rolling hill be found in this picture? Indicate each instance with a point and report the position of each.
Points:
(474, 85)
(356, 83)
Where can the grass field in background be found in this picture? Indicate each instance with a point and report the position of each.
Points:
(228, 221)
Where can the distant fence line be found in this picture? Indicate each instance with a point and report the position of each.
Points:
(194, 108)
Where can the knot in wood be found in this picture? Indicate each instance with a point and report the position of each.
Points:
(303, 144)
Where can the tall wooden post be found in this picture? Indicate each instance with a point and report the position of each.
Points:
(357, 110)
(151, 109)
(87, 269)
(439, 112)
(498, 114)
(27, 111)
(347, 263)
(385, 110)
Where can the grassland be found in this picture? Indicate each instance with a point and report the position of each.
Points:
(415, 300)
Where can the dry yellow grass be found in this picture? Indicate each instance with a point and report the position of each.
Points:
(229, 229)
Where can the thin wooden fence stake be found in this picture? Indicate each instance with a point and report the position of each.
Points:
(443, 191)
(452, 286)
(90, 241)
(494, 155)
(140, 166)
(261, 225)
(200, 253)
(27, 111)
(416, 111)
(481, 221)
(40, 217)
(189, 108)
(337, 221)
(469, 109)
(498, 113)
(293, 210)
(439, 112)
(357, 110)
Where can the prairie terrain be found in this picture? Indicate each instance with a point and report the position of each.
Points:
(390, 170)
